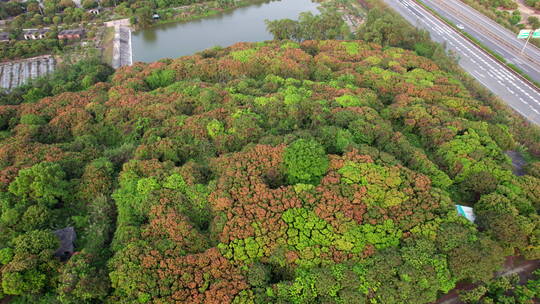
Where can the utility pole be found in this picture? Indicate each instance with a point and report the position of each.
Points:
(527, 42)
(528, 34)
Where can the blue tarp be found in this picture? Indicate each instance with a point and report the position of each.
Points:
(466, 212)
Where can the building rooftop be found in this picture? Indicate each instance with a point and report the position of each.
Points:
(72, 32)
(36, 31)
(67, 238)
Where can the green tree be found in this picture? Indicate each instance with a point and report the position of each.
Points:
(88, 4)
(144, 16)
(515, 18)
(328, 24)
(387, 29)
(534, 21)
(479, 183)
(283, 28)
(476, 261)
(43, 183)
(533, 169)
(161, 78)
(81, 282)
(305, 161)
(35, 217)
(63, 4)
(6, 255)
(29, 270)
(19, 283)
(258, 275)
(57, 20)
(37, 242)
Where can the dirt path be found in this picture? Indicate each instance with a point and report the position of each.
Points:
(529, 267)
(526, 11)
(512, 265)
(518, 162)
(121, 22)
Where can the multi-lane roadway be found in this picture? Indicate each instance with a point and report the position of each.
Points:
(493, 35)
(518, 93)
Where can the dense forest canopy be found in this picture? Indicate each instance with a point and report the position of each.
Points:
(276, 172)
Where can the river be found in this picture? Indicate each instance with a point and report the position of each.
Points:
(243, 24)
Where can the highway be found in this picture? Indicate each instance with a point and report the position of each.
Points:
(493, 35)
(517, 93)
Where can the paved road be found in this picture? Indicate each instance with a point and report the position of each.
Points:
(521, 96)
(493, 35)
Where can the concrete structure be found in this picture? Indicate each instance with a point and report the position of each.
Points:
(519, 94)
(4, 37)
(19, 72)
(78, 3)
(71, 34)
(35, 34)
(120, 22)
(122, 53)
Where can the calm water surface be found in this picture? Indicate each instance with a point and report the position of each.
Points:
(243, 24)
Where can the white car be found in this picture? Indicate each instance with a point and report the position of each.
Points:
(460, 26)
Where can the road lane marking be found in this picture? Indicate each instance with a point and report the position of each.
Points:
(470, 50)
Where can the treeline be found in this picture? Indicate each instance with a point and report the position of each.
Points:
(382, 26)
(533, 3)
(385, 27)
(29, 14)
(326, 25)
(25, 49)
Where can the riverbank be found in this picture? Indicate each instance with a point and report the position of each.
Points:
(199, 11)
(118, 50)
(244, 24)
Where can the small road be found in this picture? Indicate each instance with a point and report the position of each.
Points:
(493, 35)
(516, 92)
(121, 22)
(522, 267)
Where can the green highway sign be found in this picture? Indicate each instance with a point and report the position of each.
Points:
(536, 34)
(524, 34)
